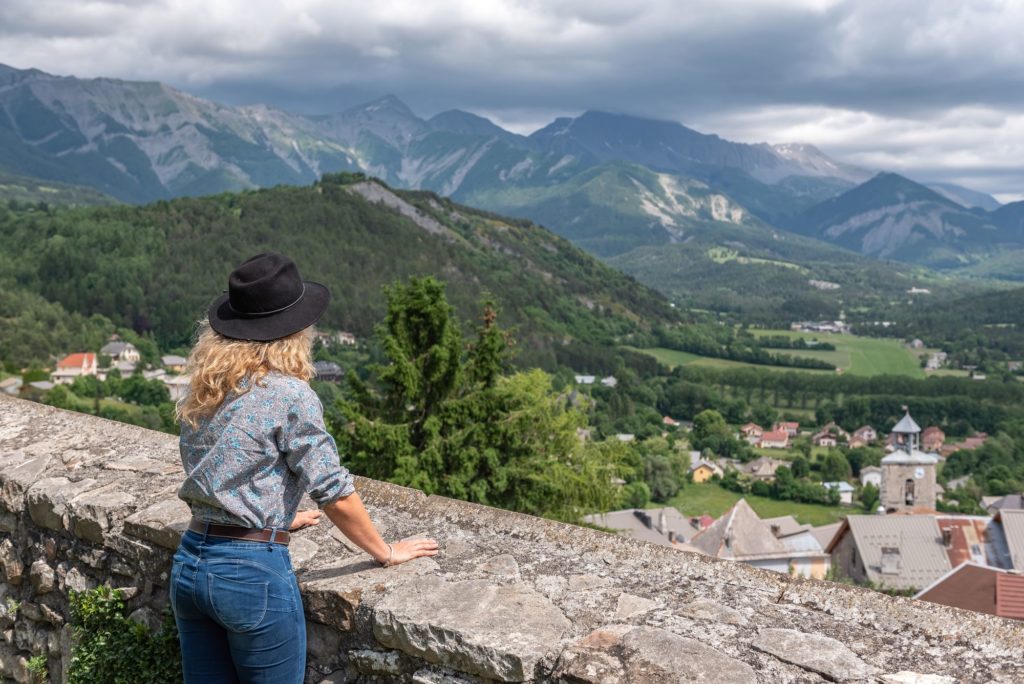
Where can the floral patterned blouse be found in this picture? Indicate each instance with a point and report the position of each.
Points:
(250, 462)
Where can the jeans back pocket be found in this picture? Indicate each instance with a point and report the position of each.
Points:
(238, 605)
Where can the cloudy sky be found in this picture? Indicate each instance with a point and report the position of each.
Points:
(930, 88)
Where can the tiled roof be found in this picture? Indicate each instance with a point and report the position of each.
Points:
(77, 360)
(777, 436)
(1010, 596)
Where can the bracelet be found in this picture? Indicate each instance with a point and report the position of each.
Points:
(391, 555)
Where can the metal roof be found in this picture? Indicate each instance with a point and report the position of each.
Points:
(915, 457)
(1013, 528)
(740, 535)
(907, 425)
(922, 557)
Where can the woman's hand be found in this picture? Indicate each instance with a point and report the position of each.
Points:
(304, 519)
(405, 551)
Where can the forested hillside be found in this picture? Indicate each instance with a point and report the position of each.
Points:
(155, 268)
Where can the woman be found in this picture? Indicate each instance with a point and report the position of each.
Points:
(253, 442)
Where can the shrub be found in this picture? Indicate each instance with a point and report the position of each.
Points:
(108, 647)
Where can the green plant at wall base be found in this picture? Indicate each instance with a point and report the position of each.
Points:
(108, 647)
(36, 666)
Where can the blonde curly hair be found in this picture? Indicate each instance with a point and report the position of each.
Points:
(219, 365)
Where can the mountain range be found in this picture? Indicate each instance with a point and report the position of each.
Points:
(611, 183)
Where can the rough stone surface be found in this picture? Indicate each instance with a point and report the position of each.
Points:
(821, 654)
(93, 511)
(48, 499)
(368, 661)
(713, 612)
(41, 576)
(162, 523)
(916, 678)
(499, 632)
(585, 589)
(630, 606)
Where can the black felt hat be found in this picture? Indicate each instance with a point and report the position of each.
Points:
(267, 300)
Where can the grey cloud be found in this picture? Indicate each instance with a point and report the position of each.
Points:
(699, 61)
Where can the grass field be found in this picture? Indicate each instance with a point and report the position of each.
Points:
(673, 358)
(697, 499)
(853, 355)
(859, 355)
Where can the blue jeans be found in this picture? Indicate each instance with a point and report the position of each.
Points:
(239, 612)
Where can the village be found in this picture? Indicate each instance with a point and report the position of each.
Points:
(119, 358)
(904, 546)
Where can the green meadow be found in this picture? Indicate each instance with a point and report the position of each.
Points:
(853, 355)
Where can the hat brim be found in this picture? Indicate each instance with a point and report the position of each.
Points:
(299, 316)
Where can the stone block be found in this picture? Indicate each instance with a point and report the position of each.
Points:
(496, 631)
(703, 609)
(10, 561)
(629, 606)
(367, 661)
(162, 523)
(815, 652)
(16, 479)
(47, 500)
(333, 593)
(93, 512)
(619, 654)
(42, 577)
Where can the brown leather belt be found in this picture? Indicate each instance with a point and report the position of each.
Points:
(237, 532)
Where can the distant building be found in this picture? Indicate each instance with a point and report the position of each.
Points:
(609, 381)
(11, 386)
(872, 474)
(177, 385)
(916, 344)
(908, 474)
(331, 338)
(585, 379)
(669, 422)
(779, 544)
(891, 551)
(625, 437)
(824, 439)
(778, 439)
(752, 432)
(764, 468)
(121, 351)
(704, 471)
(72, 366)
(1010, 502)
(845, 489)
(327, 371)
(980, 588)
(790, 428)
(866, 433)
(664, 526)
(932, 439)
(919, 290)
(968, 444)
(174, 363)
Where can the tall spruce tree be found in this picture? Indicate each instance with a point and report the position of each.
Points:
(441, 415)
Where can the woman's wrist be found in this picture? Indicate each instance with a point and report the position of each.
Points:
(386, 560)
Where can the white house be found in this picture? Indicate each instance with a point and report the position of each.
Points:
(846, 490)
(121, 351)
(72, 366)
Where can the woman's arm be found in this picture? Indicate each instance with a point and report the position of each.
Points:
(349, 515)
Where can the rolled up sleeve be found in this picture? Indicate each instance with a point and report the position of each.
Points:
(311, 452)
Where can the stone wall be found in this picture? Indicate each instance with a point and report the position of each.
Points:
(509, 598)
